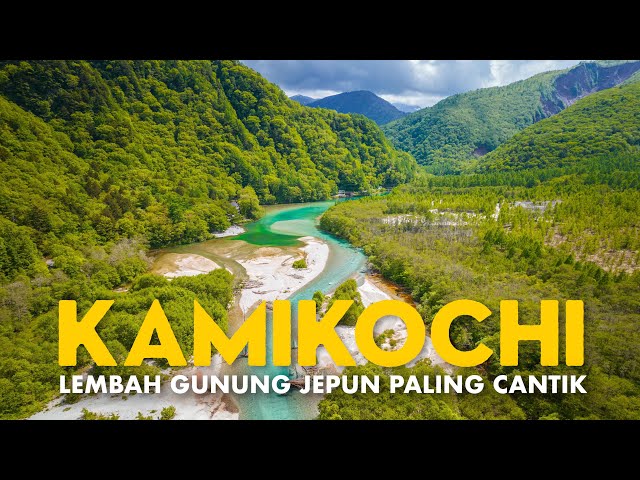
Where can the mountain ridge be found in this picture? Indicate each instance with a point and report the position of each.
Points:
(446, 136)
(362, 102)
(597, 125)
(303, 99)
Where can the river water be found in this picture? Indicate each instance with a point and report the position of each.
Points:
(282, 226)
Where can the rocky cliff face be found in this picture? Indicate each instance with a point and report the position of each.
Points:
(583, 80)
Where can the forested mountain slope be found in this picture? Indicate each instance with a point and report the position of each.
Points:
(468, 125)
(101, 160)
(603, 123)
(159, 149)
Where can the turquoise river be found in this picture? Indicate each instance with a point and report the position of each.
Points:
(281, 226)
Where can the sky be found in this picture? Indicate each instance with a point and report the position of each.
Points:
(419, 83)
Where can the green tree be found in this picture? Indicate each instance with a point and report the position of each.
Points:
(249, 204)
(168, 413)
(319, 298)
(348, 291)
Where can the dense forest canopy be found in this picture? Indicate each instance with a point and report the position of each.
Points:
(573, 234)
(450, 135)
(101, 160)
(98, 151)
(555, 216)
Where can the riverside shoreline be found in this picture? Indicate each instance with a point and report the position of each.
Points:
(270, 276)
(374, 288)
(189, 406)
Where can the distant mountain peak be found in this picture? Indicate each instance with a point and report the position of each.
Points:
(405, 107)
(363, 93)
(363, 102)
(303, 99)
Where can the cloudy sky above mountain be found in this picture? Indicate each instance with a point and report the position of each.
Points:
(413, 82)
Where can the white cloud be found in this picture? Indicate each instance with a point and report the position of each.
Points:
(417, 99)
(415, 82)
(311, 93)
(504, 72)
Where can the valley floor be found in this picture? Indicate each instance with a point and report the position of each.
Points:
(270, 276)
